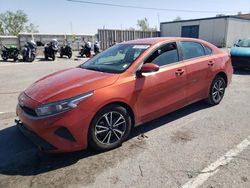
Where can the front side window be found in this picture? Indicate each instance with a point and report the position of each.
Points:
(165, 55)
(191, 49)
(115, 59)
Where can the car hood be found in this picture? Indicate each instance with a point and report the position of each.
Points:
(68, 83)
(240, 51)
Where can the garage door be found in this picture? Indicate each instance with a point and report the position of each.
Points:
(190, 31)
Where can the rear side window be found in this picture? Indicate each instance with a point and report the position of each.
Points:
(165, 55)
(192, 49)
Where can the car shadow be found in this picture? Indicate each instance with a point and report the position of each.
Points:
(242, 71)
(18, 156)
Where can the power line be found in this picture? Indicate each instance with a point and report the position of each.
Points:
(148, 8)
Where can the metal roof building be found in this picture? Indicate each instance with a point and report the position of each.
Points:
(222, 31)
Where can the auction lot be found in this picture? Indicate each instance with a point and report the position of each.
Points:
(199, 144)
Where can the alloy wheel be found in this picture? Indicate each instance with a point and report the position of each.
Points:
(218, 90)
(110, 128)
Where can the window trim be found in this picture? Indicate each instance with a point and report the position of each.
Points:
(202, 45)
(157, 48)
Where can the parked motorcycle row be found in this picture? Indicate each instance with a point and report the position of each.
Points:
(50, 50)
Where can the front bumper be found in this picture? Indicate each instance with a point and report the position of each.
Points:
(64, 132)
(41, 143)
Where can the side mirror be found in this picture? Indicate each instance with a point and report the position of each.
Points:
(149, 67)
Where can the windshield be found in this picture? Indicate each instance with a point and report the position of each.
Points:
(115, 59)
(244, 43)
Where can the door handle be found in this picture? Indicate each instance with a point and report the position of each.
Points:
(211, 63)
(179, 72)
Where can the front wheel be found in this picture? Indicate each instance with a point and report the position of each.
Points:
(69, 55)
(53, 56)
(15, 58)
(110, 127)
(217, 90)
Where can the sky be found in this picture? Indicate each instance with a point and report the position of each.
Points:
(65, 17)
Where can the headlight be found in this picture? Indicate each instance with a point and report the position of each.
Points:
(61, 106)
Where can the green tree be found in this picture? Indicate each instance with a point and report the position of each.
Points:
(12, 23)
(178, 18)
(143, 25)
(1, 29)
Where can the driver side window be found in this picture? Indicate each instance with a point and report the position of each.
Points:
(165, 55)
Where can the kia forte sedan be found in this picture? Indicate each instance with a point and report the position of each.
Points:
(99, 102)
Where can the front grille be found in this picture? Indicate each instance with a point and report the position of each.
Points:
(28, 111)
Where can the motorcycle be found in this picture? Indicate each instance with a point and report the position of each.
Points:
(66, 50)
(85, 50)
(29, 51)
(51, 49)
(96, 48)
(10, 53)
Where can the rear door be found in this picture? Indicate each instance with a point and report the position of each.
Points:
(164, 90)
(197, 65)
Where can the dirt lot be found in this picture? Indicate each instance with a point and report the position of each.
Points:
(195, 146)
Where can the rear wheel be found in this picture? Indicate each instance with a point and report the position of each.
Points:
(217, 90)
(110, 127)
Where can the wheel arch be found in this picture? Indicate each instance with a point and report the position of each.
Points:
(223, 75)
(124, 105)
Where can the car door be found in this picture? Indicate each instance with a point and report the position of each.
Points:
(197, 67)
(165, 90)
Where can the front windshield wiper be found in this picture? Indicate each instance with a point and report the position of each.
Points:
(92, 68)
(99, 69)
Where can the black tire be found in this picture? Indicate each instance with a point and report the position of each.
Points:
(217, 90)
(45, 56)
(5, 58)
(110, 132)
(61, 55)
(32, 58)
(70, 55)
(15, 59)
(53, 56)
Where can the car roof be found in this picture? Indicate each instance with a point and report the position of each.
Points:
(155, 40)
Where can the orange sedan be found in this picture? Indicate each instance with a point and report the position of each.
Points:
(97, 103)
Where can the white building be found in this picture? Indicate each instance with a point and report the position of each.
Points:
(222, 31)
